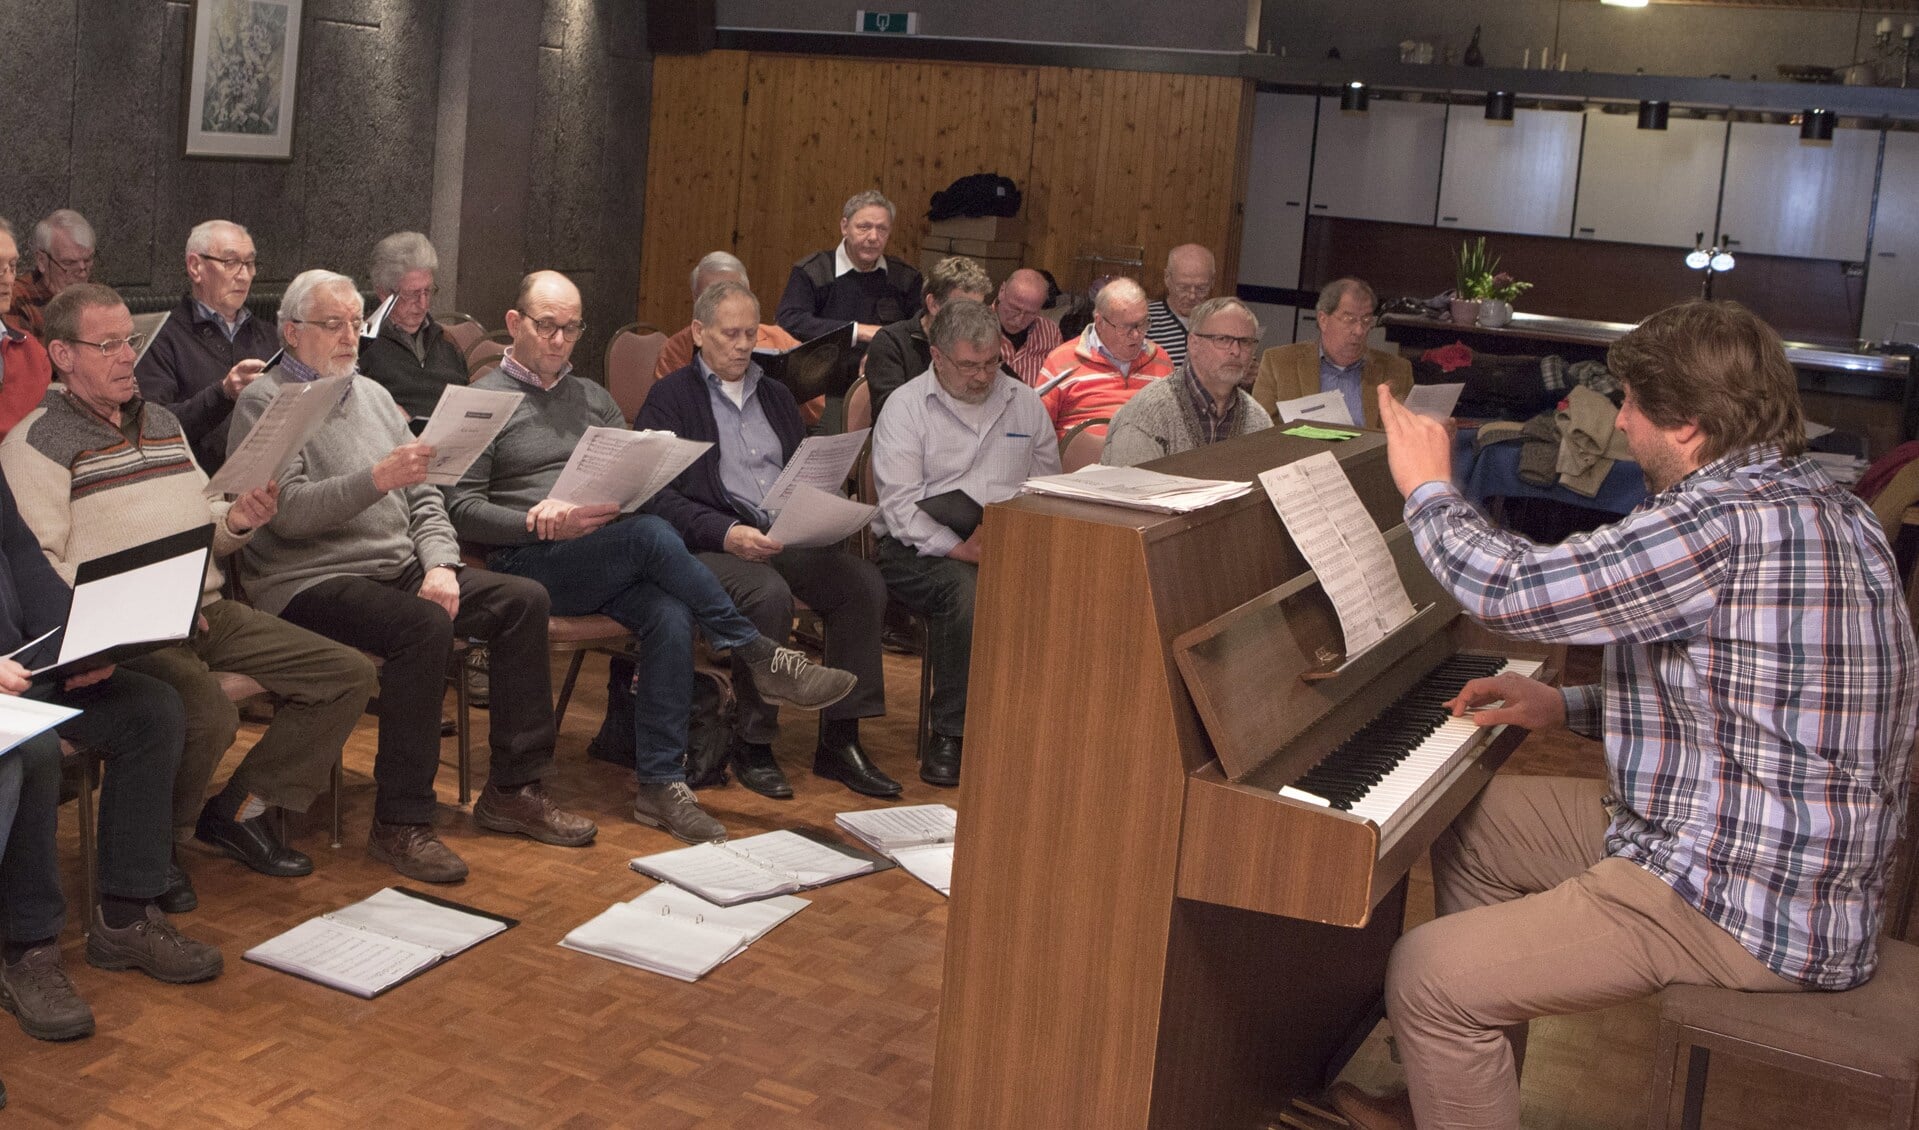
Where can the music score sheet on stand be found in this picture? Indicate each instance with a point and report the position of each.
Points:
(1326, 520)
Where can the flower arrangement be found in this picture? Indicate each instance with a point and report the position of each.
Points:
(1476, 275)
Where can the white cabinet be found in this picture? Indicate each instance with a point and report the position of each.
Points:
(1515, 176)
(1892, 273)
(1276, 325)
(1279, 170)
(1380, 165)
(1658, 187)
(1787, 197)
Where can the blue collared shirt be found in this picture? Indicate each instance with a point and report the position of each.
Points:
(750, 453)
(230, 329)
(1346, 381)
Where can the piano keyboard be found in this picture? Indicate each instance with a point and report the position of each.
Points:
(1393, 759)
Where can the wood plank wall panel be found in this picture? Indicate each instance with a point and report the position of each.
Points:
(692, 177)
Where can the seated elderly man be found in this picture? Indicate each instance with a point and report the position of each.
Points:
(1339, 361)
(716, 505)
(411, 357)
(211, 346)
(1027, 337)
(854, 282)
(963, 425)
(62, 256)
(593, 559)
(1190, 272)
(899, 352)
(677, 353)
(25, 371)
(1110, 361)
(361, 552)
(96, 470)
(1202, 402)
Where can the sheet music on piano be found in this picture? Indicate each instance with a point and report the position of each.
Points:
(1336, 535)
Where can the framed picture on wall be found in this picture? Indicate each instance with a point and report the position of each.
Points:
(242, 70)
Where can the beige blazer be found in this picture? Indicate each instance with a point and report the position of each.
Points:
(1292, 371)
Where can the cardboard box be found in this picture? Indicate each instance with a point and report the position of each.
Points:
(995, 229)
(976, 248)
(997, 268)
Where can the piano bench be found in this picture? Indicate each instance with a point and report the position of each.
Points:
(1867, 1038)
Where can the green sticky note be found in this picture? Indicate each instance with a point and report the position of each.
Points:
(1314, 431)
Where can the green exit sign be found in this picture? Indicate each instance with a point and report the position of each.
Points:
(886, 23)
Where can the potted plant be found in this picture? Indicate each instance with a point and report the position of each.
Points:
(1482, 292)
(1496, 304)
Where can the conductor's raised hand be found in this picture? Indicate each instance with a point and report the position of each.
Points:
(1526, 702)
(1419, 449)
(404, 466)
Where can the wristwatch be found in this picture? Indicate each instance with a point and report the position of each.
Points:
(456, 566)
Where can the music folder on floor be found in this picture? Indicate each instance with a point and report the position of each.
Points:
(757, 867)
(379, 942)
(134, 601)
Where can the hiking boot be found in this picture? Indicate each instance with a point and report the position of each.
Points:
(671, 806)
(528, 811)
(784, 675)
(414, 850)
(37, 991)
(153, 946)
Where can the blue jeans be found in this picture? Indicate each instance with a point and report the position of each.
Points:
(637, 571)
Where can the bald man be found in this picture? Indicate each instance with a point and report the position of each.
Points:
(1025, 335)
(1190, 274)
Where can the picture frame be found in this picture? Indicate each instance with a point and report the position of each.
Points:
(242, 74)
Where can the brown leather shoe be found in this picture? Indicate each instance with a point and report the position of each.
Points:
(528, 811)
(1365, 1112)
(414, 850)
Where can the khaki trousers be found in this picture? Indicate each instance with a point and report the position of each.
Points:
(1535, 921)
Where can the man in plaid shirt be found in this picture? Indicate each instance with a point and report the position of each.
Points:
(1757, 710)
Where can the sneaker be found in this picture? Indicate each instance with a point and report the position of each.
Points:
(786, 676)
(672, 807)
(528, 811)
(37, 991)
(476, 670)
(153, 946)
(414, 850)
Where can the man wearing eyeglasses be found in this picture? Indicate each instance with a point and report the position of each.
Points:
(1026, 336)
(1339, 361)
(1190, 274)
(62, 256)
(410, 354)
(211, 346)
(1202, 402)
(1089, 377)
(25, 370)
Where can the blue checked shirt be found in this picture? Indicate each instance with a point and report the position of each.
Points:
(1758, 703)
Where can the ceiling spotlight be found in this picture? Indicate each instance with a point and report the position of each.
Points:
(1653, 114)
(1815, 126)
(1353, 97)
(1499, 105)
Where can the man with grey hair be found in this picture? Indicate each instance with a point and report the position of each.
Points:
(854, 282)
(1339, 361)
(1110, 361)
(1190, 273)
(900, 351)
(1202, 402)
(62, 255)
(361, 552)
(410, 354)
(677, 353)
(25, 370)
(966, 430)
(211, 346)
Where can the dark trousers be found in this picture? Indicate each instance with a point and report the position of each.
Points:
(29, 871)
(414, 637)
(940, 589)
(637, 571)
(850, 597)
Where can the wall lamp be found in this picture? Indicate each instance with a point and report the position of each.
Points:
(1353, 97)
(1653, 114)
(1815, 127)
(1499, 105)
(1624, 3)
(1714, 260)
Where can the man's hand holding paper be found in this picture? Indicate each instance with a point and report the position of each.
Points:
(553, 520)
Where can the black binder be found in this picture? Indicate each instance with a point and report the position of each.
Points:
(197, 541)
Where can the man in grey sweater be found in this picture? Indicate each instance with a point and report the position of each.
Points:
(1203, 401)
(361, 552)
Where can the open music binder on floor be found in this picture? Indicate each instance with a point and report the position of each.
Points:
(379, 942)
(757, 867)
(918, 837)
(677, 933)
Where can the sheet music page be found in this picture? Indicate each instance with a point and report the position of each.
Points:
(291, 418)
(753, 919)
(822, 462)
(378, 318)
(154, 602)
(672, 944)
(1390, 603)
(463, 423)
(808, 862)
(1326, 520)
(1319, 408)
(931, 864)
(334, 953)
(149, 324)
(715, 872)
(890, 829)
(624, 467)
(1437, 401)
(396, 915)
(812, 517)
(21, 718)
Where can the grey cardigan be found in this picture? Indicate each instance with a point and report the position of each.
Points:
(1160, 420)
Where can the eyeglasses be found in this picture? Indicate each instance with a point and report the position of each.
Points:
(234, 262)
(1363, 321)
(114, 345)
(547, 327)
(85, 262)
(1228, 341)
(333, 325)
(424, 294)
(1190, 290)
(1129, 329)
(973, 368)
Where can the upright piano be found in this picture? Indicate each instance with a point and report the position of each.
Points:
(1144, 932)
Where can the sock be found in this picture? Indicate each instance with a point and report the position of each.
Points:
(235, 803)
(836, 732)
(17, 950)
(759, 651)
(119, 913)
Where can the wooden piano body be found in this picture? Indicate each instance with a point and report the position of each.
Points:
(1136, 940)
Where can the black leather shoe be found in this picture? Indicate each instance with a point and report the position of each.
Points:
(249, 842)
(178, 898)
(753, 764)
(940, 763)
(848, 764)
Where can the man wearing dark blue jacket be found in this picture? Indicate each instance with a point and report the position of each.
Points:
(754, 425)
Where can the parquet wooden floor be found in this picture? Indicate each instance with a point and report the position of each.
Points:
(829, 1021)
